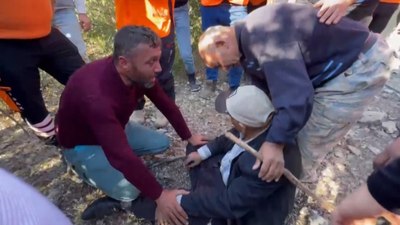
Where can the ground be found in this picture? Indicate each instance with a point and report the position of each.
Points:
(342, 170)
(40, 165)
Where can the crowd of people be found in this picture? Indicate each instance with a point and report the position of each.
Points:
(314, 68)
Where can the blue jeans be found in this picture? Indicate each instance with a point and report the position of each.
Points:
(91, 164)
(225, 15)
(183, 37)
(66, 21)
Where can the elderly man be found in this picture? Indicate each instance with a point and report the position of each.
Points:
(224, 187)
(313, 72)
(100, 144)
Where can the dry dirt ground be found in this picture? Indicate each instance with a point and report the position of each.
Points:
(342, 170)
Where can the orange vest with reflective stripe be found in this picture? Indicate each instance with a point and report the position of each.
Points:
(217, 2)
(391, 1)
(25, 19)
(154, 14)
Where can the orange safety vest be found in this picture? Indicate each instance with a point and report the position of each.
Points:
(154, 14)
(25, 19)
(257, 2)
(391, 1)
(217, 2)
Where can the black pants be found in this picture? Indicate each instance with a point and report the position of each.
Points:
(167, 59)
(200, 180)
(20, 61)
(360, 11)
(363, 11)
(382, 15)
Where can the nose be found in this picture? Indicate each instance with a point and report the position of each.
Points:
(157, 67)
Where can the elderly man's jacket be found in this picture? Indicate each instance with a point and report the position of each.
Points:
(245, 199)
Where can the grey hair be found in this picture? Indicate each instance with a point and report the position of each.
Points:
(129, 37)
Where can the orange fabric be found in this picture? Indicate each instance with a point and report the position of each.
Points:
(217, 2)
(391, 1)
(257, 2)
(6, 98)
(154, 14)
(25, 19)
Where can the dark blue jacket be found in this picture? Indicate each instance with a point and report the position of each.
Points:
(246, 199)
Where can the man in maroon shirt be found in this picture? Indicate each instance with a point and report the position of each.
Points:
(100, 144)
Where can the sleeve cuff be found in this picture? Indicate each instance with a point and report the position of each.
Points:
(204, 152)
(179, 199)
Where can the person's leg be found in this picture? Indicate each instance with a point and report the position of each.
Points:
(61, 57)
(19, 71)
(66, 21)
(340, 103)
(236, 13)
(209, 18)
(92, 166)
(183, 37)
(165, 77)
(145, 141)
(381, 16)
(362, 11)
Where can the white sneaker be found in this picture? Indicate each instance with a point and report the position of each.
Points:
(161, 121)
(137, 116)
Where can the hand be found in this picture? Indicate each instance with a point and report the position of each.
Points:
(84, 21)
(390, 153)
(273, 163)
(197, 139)
(193, 159)
(168, 210)
(357, 208)
(331, 11)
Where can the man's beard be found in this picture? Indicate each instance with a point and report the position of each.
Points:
(148, 84)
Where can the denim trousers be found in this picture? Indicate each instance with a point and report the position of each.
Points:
(92, 166)
(226, 15)
(66, 21)
(183, 37)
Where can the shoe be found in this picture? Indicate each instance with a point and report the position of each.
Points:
(52, 140)
(100, 208)
(144, 208)
(137, 116)
(194, 87)
(209, 89)
(161, 121)
(192, 83)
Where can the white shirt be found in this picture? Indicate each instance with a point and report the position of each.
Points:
(21, 204)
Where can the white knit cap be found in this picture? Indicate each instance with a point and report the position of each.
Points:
(249, 105)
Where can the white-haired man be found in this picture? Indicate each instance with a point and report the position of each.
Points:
(319, 77)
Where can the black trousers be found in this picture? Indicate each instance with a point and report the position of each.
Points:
(200, 180)
(167, 59)
(382, 15)
(20, 61)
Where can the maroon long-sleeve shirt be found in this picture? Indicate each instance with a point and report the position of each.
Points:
(94, 109)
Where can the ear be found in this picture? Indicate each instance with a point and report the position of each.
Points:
(122, 61)
(219, 43)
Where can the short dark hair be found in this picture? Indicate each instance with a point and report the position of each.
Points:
(129, 37)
